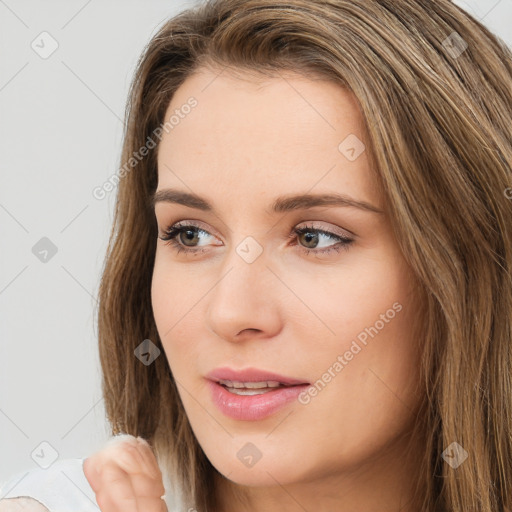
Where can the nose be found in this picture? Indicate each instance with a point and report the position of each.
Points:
(245, 302)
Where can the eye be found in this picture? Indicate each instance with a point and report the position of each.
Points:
(178, 233)
(183, 237)
(312, 236)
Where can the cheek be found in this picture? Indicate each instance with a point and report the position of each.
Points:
(166, 289)
(162, 295)
(367, 351)
(341, 301)
(177, 297)
(173, 291)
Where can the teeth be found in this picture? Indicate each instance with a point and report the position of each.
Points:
(245, 392)
(250, 385)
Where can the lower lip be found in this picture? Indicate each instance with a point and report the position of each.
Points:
(253, 407)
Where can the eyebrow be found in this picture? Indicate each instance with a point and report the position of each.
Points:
(280, 205)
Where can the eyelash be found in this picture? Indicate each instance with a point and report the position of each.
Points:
(175, 230)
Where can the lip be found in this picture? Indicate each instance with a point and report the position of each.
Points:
(252, 407)
(252, 375)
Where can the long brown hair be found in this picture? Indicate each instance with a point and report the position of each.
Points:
(435, 90)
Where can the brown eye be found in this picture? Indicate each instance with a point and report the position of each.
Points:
(309, 238)
(185, 237)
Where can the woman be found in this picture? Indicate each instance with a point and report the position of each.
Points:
(307, 299)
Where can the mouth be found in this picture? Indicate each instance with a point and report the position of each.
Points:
(252, 378)
(252, 394)
(252, 388)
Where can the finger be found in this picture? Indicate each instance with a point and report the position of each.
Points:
(149, 458)
(143, 485)
(142, 452)
(91, 472)
(132, 461)
(147, 487)
(116, 492)
(108, 503)
(125, 454)
(120, 492)
(151, 504)
(121, 443)
(129, 457)
(92, 464)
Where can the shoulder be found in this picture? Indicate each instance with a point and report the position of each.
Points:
(61, 487)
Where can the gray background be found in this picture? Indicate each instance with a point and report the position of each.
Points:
(60, 136)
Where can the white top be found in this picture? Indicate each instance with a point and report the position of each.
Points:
(63, 487)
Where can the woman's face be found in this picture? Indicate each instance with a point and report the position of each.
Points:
(248, 165)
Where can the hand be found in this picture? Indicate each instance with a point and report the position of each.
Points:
(125, 476)
(22, 504)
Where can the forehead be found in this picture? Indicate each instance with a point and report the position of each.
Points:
(258, 134)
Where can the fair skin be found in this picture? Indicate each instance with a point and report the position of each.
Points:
(24, 504)
(245, 144)
(125, 477)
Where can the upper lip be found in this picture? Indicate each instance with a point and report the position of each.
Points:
(251, 375)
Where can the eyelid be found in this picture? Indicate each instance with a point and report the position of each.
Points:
(335, 230)
(311, 224)
(189, 222)
(298, 227)
(344, 242)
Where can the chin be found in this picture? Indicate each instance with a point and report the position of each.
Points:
(257, 476)
(270, 469)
